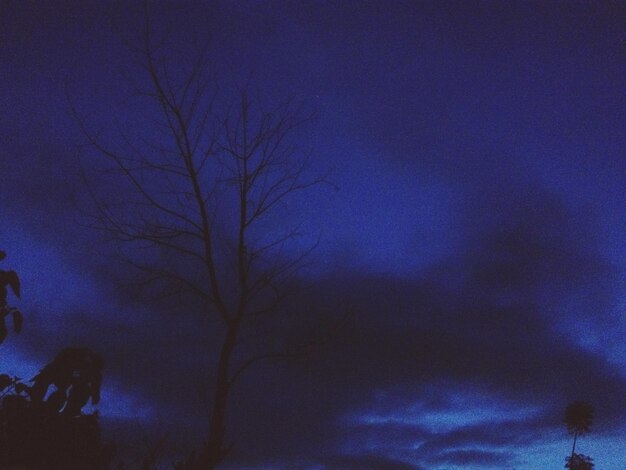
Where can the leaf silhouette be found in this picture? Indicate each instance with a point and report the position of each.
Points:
(79, 395)
(56, 400)
(17, 321)
(5, 381)
(3, 329)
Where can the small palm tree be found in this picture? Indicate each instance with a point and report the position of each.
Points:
(578, 419)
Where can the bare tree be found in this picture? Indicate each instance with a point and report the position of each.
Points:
(202, 189)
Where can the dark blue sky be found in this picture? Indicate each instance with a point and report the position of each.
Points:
(477, 228)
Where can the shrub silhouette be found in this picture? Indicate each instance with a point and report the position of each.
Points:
(40, 433)
(77, 371)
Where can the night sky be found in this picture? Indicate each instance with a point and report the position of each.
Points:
(474, 228)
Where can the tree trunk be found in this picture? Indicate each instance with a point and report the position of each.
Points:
(574, 445)
(216, 450)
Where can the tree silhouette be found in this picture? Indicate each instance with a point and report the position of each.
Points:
(201, 193)
(578, 419)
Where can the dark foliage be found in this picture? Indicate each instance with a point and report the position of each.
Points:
(8, 279)
(579, 417)
(579, 462)
(51, 433)
(77, 374)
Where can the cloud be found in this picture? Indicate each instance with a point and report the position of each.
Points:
(365, 462)
(475, 321)
(493, 328)
(481, 458)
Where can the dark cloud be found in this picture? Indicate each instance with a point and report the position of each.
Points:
(488, 329)
(483, 332)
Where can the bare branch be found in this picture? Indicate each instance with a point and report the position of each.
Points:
(162, 274)
(302, 350)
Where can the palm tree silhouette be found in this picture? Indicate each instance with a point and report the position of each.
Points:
(578, 419)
